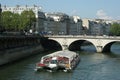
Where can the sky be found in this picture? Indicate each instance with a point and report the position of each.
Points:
(95, 9)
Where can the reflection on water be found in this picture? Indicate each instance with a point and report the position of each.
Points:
(115, 49)
(93, 66)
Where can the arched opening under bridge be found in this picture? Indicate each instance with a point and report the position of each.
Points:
(113, 47)
(82, 45)
(52, 45)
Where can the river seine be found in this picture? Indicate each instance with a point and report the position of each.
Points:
(93, 66)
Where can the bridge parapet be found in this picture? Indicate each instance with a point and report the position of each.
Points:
(10, 42)
(83, 36)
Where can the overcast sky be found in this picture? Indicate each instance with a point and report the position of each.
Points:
(103, 9)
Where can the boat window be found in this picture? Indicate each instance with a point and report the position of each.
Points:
(53, 61)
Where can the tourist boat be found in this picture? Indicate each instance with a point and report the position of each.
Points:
(61, 60)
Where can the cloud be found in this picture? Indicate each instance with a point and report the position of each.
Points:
(74, 12)
(101, 14)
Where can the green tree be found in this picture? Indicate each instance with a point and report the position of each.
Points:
(15, 22)
(27, 19)
(115, 29)
(7, 18)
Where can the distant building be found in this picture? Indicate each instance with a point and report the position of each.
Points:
(57, 16)
(103, 26)
(53, 27)
(63, 24)
(36, 9)
(19, 9)
(56, 23)
(86, 23)
(75, 25)
(97, 26)
(116, 21)
(86, 26)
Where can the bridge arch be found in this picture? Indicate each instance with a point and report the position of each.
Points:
(71, 44)
(76, 45)
(107, 46)
(50, 44)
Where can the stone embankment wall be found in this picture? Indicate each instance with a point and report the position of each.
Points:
(16, 47)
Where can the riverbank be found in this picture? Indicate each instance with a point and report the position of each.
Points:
(10, 55)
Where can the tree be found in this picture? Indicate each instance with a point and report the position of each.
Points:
(115, 29)
(7, 18)
(15, 22)
(27, 19)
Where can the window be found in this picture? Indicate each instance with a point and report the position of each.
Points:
(54, 62)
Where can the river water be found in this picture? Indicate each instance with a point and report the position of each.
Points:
(93, 66)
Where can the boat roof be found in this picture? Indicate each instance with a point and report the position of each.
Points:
(64, 53)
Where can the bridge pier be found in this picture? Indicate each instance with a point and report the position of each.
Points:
(99, 49)
(64, 47)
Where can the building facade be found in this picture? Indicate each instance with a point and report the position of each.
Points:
(19, 9)
(62, 24)
(75, 25)
(56, 23)
(96, 26)
(102, 27)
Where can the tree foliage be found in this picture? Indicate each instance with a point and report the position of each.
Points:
(27, 17)
(115, 29)
(7, 19)
(16, 22)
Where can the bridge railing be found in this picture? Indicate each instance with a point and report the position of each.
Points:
(83, 36)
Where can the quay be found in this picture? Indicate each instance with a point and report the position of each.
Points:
(15, 47)
(14, 41)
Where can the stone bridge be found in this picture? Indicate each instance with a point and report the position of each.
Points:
(101, 43)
